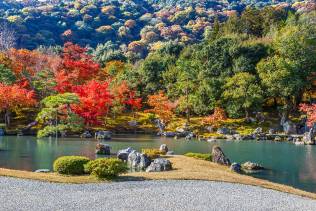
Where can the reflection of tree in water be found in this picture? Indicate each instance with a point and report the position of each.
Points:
(307, 168)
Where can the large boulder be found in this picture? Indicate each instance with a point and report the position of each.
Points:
(251, 166)
(103, 149)
(163, 148)
(309, 137)
(138, 161)
(289, 127)
(159, 164)
(219, 157)
(123, 154)
(235, 167)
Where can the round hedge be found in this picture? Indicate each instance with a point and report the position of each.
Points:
(70, 165)
(107, 168)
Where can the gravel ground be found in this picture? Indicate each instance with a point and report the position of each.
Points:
(19, 194)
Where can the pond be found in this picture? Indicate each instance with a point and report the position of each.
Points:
(289, 164)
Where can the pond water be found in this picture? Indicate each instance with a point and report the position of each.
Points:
(289, 164)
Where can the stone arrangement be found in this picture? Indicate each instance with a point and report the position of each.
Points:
(219, 157)
(140, 161)
(103, 149)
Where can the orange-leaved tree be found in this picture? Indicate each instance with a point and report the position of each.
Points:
(161, 106)
(218, 116)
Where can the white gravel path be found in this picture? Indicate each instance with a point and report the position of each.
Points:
(18, 194)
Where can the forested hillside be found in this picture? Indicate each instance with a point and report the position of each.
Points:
(134, 26)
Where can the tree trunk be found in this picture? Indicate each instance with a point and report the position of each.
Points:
(7, 119)
(187, 101)
(247, 115)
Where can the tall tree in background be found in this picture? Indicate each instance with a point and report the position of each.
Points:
(242, 94)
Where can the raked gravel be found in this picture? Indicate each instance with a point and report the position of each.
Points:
(20, 194)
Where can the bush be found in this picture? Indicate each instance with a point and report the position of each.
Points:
(107, 168)
(200, 156)
(71, 165)
(153, 153)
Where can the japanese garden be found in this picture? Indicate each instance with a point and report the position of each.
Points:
(211, 98)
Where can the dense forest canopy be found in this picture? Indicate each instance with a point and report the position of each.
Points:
(234, 65)
(130, 26)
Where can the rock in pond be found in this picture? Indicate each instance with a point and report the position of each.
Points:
(42, 171)
(103, 149)
(123, 154)
(235, 167)
(138, 161)
(189, 136)
(163, 148)
(159, 164)
(103, 135)
(219, 157)
(86, 134)
(251, 166)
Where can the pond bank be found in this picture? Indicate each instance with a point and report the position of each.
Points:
(185, 168)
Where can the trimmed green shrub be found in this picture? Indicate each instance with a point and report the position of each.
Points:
(200, 156)
(70, 165)
(153, 153)
(107, 168)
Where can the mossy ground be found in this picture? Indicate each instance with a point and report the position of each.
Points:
(145, 124)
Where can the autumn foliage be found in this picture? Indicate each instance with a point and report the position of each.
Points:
(95, 101)
(161, 106)
(77, 67)
(13, 97)
(310, 111)
(218, 116)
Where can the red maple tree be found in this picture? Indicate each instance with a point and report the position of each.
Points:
(77, 68)
(310, 110)
(95, 101)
